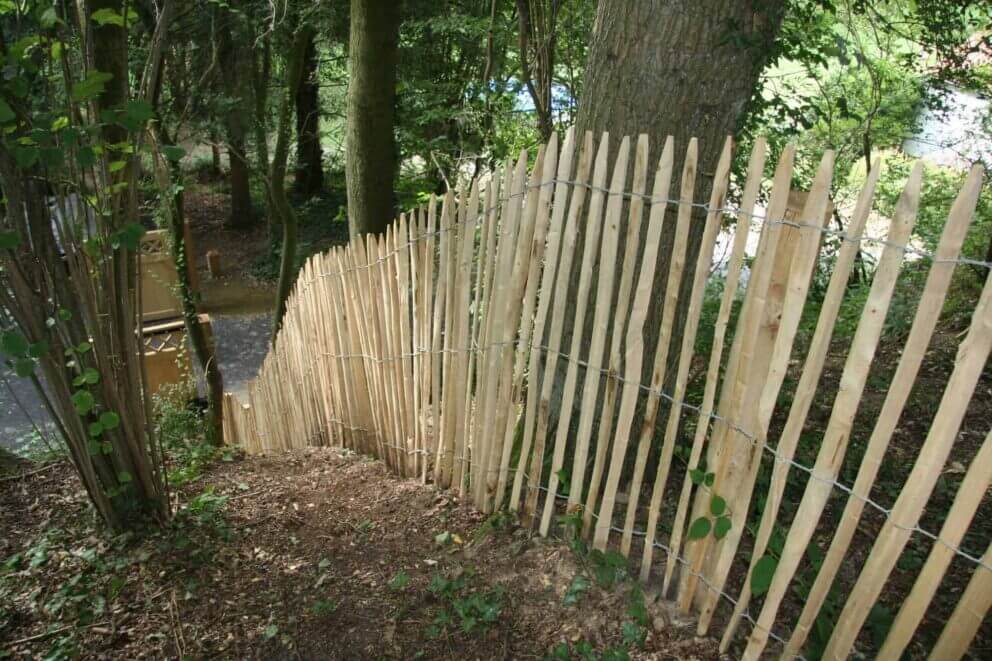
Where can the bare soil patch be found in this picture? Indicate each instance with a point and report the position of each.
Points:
(308, 555)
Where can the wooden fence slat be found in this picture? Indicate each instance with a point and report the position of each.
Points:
(968, 615)
(969, 496)
(752, 186)
(513, 328)
(634, 341)
(534, 250)
(800, 273)
(590, 251)
(502, 285)
(482, 397)
(905, 514)
(545, 293)
(463, 342)
(721, 183)
(559, 306)
(446, 429)
(635, 218)
(487, 251)
(609, 246)
(837, 435)
(924, 323)
(675, 271)
(746, 366)
(437, 335)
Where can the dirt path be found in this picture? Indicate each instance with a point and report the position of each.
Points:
(316, 555)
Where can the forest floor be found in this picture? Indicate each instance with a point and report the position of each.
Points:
(314, 554)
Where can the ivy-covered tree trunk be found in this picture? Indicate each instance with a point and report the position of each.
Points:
(370, 160)
(309, 167)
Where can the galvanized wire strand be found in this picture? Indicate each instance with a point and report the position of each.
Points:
(754, 217)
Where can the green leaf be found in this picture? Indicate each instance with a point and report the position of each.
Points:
(95, 429)
(91, 86)
(24, 367)
(93, 447)
(442, 539)
(107, 16)
(173, 152)
(26, 156)
(136, 114)
(84, 401)
(64, 314)
(117, 166)
(110, 420)
(718, 506)
(761, 576)
(124, 477)
(709, 479)
(49, 18)
(700, 528)
(60, 123)
(14, 344)
(83, 347)
(6, 112)
(91, 376)
(721, 527)
(270, 631)
(38, 349)
(579, 585)
(9, 239)
(128, 237)
(400, 581)
(86, 157)
(697, 476)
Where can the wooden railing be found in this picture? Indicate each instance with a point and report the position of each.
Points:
(496, 346)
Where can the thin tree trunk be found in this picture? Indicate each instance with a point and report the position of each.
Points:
(233, 56)
(370, 163)
(536, 27)
(309, 168)
(203, 347)
(277, 174)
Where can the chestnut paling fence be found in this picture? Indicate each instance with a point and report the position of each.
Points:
(489, 345)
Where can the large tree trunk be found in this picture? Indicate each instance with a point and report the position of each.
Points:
(370, 164)
(685, 69)
(309, 170)
(674, 67)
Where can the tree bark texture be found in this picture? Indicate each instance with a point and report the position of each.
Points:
(681, 68)
(277, 173)
(234, 59)
(370, 162)
(309, 167)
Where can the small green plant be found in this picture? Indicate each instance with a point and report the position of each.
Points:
(463, 607)
(323, 607)
(399, 582)
(579, 586)
(720, 524)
